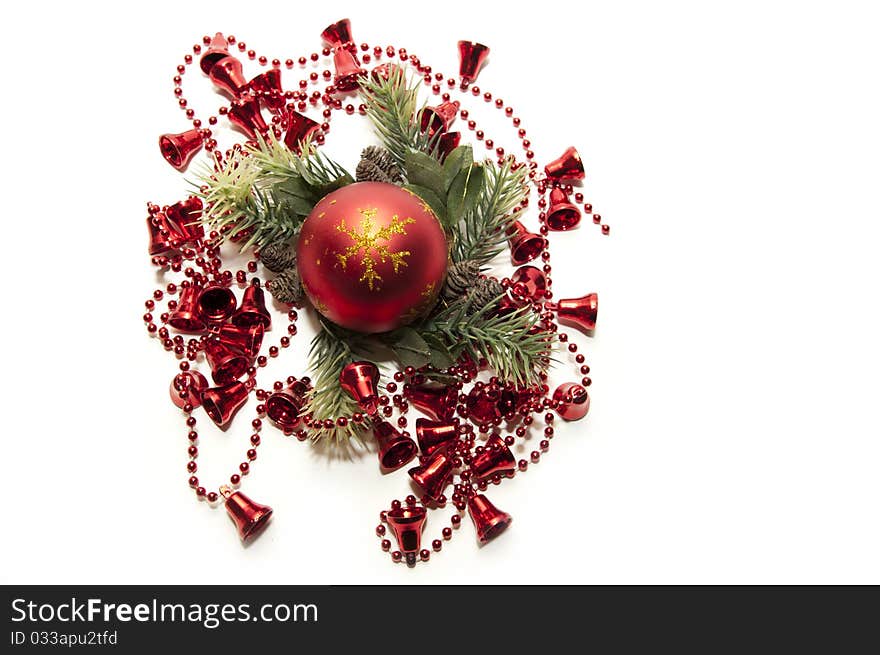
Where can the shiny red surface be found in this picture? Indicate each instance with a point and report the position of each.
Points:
(360, 381)
(434, 475)
(406, 523)
(495, 458)
(252, 310)
(562, 215)
(471, 57)
(340, 292)
(222, 403)
(579, 312)
(395, 450)
(193, 382)
(435, 401)
(179, 149)
(227, 75)
(249, 517)
(226, 364)
(568, 166)
(299, 128)
(435, 435)
(489, 521)
(524, 245)
(574, 399)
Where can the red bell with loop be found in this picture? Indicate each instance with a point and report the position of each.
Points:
(436, 435)
(268, 87)
(529, 282)
(244, 340)
(471, 57)
(283, 407)
(495, 458)
(578, 312)
(448, 142)
(574, 401)
(161, 234)
(245, 113)
(437, 402)
(299, 128)
(406, 523)
(395, 450)
(179, 149)
(218, 49)
(227, 75)
(433, 476)
(216, 303)
(348, 70)
(360, 381)
(253, 309)
(568, 166)
(512, 400)
(226, 364)
(488, 519)
(524, 245)
(482, 405)
(562, 215)
(183, 217)
(222, 403)
(186, 318)
(249, 517)
(188, 387)
(439, 118)
(338, 34)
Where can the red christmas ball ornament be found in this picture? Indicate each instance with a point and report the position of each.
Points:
(372, 257)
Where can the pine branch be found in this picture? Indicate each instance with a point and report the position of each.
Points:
(483, 231)
(393, 107)
(328, 355)
(266, 191)
(505, 341)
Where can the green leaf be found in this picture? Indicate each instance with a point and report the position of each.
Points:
(458, 159)
(433, 200)
(409, 347)
(425, 171)
(341, 181)
(464, 193)
(440, 355)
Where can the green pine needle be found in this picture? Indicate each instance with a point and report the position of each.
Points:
(394, 109)
(482, 233)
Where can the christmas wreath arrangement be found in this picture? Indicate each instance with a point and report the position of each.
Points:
(393, 259)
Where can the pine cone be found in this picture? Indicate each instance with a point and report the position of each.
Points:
(377, 165)
(278, 256)
(286, 287)
(460, 278)
(485, 291)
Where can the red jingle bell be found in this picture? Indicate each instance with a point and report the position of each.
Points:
(227, 75)
(188, 387)
(434, 475)
(226, 364)
(348, 70)
(395, 450)
(436, 435)
(437, 402)
(179, 149)
(439, 118)
(488, 519)
(183, 218)
(218, 49)
(524, 245)
(512, 400)
(245, 113)
(406, 523)
(574, 401)
(338, 34)
(360, 381)
(222, 403)
(578, 312)
(448, 142)
(283, 407)
(186, 318)
(529, 282)
(568, 166)
(562, 215)
(253, 309)
(244, 340)
(268, 87)
(299, 129)
(249, 517)
(471, 57)
(495, 458)
(161, 234)
(482, 405)
(216, 303)
(385, 71)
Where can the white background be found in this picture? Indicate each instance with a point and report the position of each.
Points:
(733, 436)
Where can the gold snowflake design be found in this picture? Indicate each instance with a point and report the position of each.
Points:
(365, 243)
